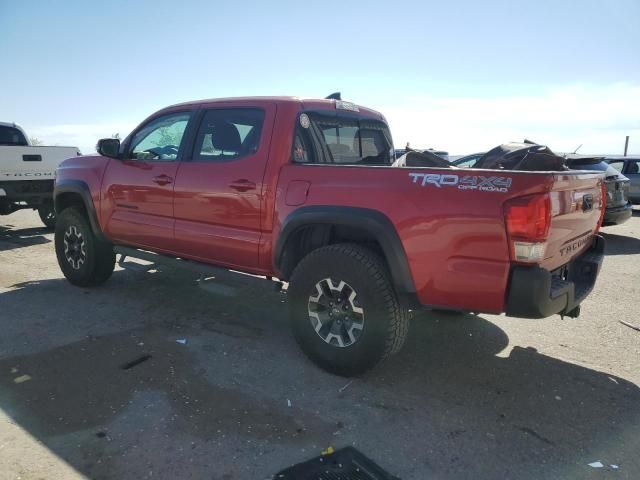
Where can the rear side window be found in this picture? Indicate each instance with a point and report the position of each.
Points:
(347, 141)
(12, 136)
(228, 134)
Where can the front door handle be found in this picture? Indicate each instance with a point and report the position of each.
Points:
(163, 180)
(242, 185)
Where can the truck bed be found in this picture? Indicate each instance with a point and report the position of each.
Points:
(451, 221)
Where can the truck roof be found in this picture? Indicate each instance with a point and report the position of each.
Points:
(312, 103)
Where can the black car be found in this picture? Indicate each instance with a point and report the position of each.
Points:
(619, 208)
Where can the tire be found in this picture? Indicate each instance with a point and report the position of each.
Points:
(84, 259)
(48, 216)
(344, 311)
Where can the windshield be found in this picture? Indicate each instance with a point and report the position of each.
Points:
(12, 136)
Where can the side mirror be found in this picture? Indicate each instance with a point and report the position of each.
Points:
(109, 147)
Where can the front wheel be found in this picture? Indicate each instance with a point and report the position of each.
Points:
(84, 259)
(48, 215)
(344, 311)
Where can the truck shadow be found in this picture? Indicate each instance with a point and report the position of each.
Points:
(11, 238)
(621, 244)
(102, 383)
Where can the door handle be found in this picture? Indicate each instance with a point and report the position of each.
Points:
(162, 180)
(242, 185)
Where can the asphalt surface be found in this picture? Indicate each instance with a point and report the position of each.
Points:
(468, 397)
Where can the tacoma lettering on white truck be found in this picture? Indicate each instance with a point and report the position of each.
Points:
(27, 173)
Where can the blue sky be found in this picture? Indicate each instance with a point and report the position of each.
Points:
(456, 75)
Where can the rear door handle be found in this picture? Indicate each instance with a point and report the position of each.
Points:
(242, 185)
(162, 180)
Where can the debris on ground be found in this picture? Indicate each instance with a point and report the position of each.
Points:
(345, 387)
(615, 467)
(135, 362)
(630, 325)
(182, 341)
(596, 464)
(328, 451)
(22, 379)
(288, 403)
(344, 463)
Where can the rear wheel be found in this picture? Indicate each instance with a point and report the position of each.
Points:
(344, 310)
(84, 259)
(48, 215)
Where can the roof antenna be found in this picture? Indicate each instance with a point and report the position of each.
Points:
(334, 96)
(576, 150)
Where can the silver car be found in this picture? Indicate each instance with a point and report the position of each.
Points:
(630, 168)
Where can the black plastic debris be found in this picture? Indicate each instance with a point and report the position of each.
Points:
(135, 362)
(344, 464)
(526, 156)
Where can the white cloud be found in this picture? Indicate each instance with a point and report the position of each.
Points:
(598, 117)
(83, 136)
(563, 118)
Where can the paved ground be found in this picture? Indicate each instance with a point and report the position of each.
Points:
(468, 397)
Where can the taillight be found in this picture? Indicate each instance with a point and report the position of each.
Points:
(603, 204)
(528, 220)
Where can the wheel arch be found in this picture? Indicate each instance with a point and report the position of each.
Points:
(312, 227)
(67, 193)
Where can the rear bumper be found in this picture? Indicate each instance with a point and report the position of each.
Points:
(538, 293)
(618, 215)
(33, 192)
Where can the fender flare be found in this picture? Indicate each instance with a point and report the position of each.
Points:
(82, 189)
(375, 223)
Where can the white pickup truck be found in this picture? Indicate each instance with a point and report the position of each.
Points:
(27, 173)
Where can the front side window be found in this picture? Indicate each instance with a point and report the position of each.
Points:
(160, 139)
(228, 134)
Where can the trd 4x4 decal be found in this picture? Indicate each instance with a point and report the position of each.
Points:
(463, 182)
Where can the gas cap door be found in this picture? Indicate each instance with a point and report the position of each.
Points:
(297, 192)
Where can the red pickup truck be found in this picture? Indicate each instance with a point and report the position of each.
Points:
(306, 191)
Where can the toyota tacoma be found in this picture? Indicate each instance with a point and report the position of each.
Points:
(307, 192)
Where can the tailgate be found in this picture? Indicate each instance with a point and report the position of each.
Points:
(577, 204)
(32, 163)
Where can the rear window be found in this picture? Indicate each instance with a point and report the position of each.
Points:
(12, 136)
(599, 166)
(348, 141)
